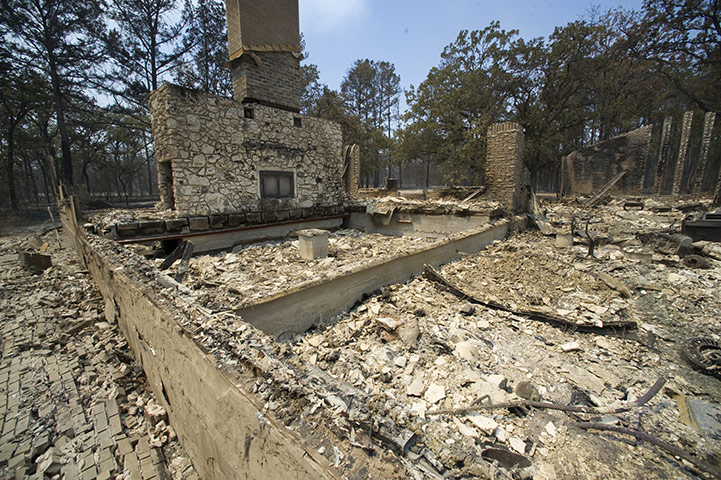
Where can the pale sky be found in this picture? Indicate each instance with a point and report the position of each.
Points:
(412, 34)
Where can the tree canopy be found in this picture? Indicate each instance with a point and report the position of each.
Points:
(74, 76)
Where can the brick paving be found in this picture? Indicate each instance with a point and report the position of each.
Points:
(72, 400)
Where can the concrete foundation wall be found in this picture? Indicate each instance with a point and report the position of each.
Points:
(417, 225)
(216, 420)
(215, 241)
(296, 310)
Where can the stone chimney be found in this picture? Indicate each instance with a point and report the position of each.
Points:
(264, 46)
(506, 176)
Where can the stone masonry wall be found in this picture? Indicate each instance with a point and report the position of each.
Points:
(216, 152)
(506, 175)
(589, 169)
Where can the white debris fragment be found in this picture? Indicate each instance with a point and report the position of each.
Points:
(419, 408)
(388, 323)
(435, 393)
(486, 424)
(467, 351)
(465, 429)
(415, 389)
(517, 444)
(571, 347)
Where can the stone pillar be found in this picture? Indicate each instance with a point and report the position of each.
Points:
(708, 122)
(264, 47)
(351, 170)
(165, 185)
(507, 178)
(682, 151)
(662, 154)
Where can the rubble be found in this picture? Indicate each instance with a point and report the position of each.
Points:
(69, 386)
(457, 382)
(468, 357)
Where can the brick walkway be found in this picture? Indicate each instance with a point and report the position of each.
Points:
(72, 400)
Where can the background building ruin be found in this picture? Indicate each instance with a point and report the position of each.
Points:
(681, 156)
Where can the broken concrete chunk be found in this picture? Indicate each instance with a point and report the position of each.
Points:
(571, 346)
(50, 462)
(416, 387)
(337, 403)
(467, 309)
(467, 351)
(517, 444)
(435, 393)
(617, 285)
(528, 391)
(388, 323)
(316, 340)
(465, 429)
(155, 413)
(408, 332)
(419, 408)
(486, 424)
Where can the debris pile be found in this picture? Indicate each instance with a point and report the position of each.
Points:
(73, 402)
(480, 386)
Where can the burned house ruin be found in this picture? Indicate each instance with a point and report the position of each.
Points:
(290, 324)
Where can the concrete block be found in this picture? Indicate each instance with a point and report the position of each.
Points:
(198, 223)
(126, 229)
(312, 243)
(36, 262)
(269, 216)
(151, 227)
(253, 217)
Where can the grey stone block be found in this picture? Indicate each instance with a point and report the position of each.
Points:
(198, 223)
